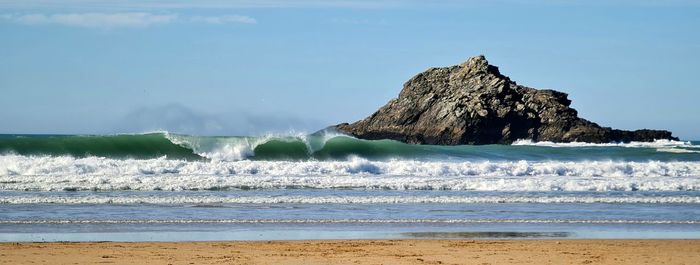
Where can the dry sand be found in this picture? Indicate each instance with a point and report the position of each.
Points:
(359, 252)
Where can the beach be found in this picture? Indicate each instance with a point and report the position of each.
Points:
(358, 252)
(349, 132)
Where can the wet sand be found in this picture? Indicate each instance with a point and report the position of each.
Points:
(358, 252)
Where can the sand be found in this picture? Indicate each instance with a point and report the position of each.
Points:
(359, 252)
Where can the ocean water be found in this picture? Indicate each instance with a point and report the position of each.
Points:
(170, 187)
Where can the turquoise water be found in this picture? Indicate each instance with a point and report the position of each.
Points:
(163, 186)
(325, 147)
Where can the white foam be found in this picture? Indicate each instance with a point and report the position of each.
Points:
(239, 148)
(655, 144)
(351, 221)
(219, 149)
(93, 173)
(677, 150)
(305, 199)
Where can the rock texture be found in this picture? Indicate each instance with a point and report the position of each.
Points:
(473, 103)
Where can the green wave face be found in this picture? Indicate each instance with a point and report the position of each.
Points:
(342, 147)
(337, 148)
(317, 147)
(282, 150)
(113, 146)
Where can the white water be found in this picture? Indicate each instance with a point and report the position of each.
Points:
(324, 199)
(351, 221)
(655, 144)
(666, 146)
(239, 148)
(93, 173)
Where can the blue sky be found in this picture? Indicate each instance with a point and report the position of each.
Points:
(249, 67)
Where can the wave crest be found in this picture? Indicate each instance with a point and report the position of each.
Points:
(325, 146)
(91, 173)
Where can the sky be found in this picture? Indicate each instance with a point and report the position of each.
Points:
(213, 67)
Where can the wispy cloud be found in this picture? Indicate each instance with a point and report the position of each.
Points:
(216, 4)
(362, 4)
(93, 20)
(224, 19)
(118, 20)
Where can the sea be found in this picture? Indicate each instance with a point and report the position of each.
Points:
(164, 186)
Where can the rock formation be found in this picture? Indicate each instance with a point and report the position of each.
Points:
(473, 103)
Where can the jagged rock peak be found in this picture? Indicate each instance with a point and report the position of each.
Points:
(473, 103)
(476, 64)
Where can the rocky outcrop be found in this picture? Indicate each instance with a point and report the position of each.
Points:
(473, 103)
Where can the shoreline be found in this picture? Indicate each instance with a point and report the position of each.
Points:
(408, 251)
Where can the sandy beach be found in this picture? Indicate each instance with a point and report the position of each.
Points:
(358, 252)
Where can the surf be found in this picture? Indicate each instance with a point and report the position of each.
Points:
(21, 173)
(325, 146)
(140, 146)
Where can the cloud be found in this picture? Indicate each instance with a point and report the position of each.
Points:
(94, 20)
(224, 19)
(356, 4)
(119, 20)
(212, 4)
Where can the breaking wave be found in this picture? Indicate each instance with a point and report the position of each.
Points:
(325, 146)
(50, 173)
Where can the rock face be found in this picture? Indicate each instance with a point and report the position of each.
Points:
(473, 103)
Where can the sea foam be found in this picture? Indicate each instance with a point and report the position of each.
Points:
(663, 143)
(239, 148)
(209, 199)
(350, 221)
(47, 173)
